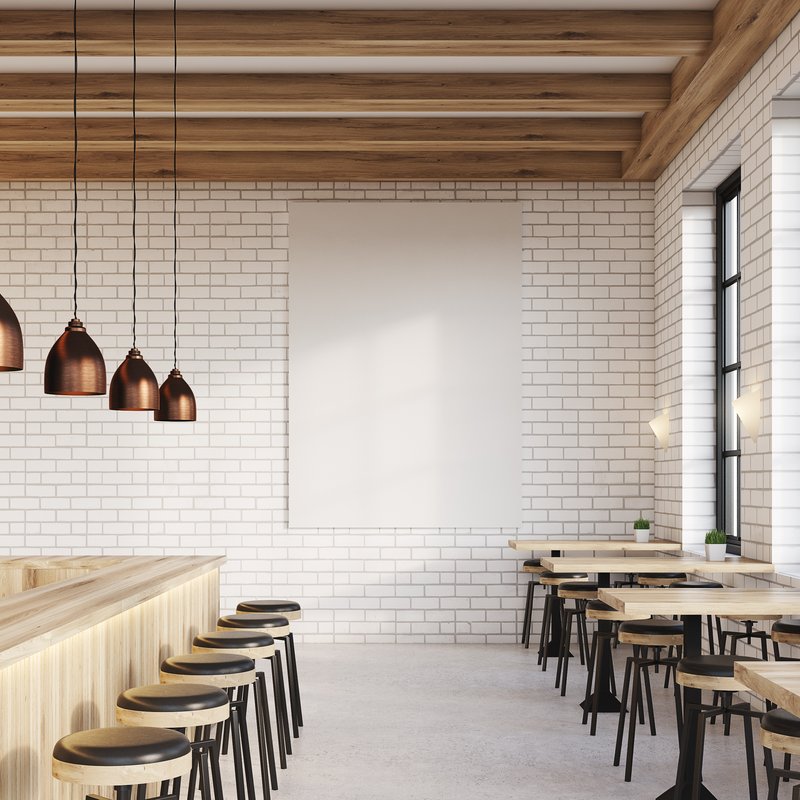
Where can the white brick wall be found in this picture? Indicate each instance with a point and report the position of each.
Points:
(77, 478)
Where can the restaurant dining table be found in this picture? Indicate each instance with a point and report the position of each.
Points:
(776, 681)
(603, 566)
(559, 546)
(692, 605)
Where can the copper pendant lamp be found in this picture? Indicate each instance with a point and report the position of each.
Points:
(176, 396)
(134, 386)
(75, 365)
(10, 338)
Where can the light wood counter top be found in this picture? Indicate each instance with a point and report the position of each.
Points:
(778, 681)
(35, 619)
(565, 545)
(721, 602)
(693, 564)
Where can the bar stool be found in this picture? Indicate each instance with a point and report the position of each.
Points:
(532, 566)
(581, 592)
(235, 674)
(780, 731)
(122, 758)
(181, 706)
(552, 608)
(278, 627)
(292, 611)
(256, 645)
(715, 674)
(643, 634)
(598, 610)
(695, 584)
(748, 632)
(785, 631)
(661, 579)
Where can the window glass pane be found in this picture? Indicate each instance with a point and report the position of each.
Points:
(731, 512)
(730, 320)
(731, 421)
(730, 223)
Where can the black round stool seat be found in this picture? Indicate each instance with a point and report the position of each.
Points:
(207, 664)
(120, 747)
(579, 586)
(563, 575)
(697, 585)
(269, 606)
(781, 722)
(654, 575)
(599, 605)
(233, 638)
(652, 627)
(258, 621)
(791, 626)
(711, 666)
(176, 697)
(532, 562)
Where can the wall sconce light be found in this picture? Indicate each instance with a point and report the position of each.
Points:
(660, 427)
(748, 408)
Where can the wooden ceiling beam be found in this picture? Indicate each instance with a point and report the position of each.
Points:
(743, 30)
(362, 33)
(316, 166)
(339, 93)
(399, 134)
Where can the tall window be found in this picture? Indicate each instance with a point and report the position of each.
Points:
(728, 359)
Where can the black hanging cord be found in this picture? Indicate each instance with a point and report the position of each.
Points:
(75, 160)
(133, 178)
(175, 183)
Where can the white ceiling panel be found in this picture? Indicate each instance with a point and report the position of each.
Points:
(289, 64)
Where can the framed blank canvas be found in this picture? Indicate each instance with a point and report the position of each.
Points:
(405, 364)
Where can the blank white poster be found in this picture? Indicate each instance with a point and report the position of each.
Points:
(405, 365)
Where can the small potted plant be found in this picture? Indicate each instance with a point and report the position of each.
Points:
(716, 545)
(641, 530)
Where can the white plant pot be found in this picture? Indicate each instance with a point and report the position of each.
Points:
(642, 535)
(716, 552)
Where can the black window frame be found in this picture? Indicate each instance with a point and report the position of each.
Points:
(725, 192)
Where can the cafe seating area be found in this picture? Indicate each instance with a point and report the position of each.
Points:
(399, 399)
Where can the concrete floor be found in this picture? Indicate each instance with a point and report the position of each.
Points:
(472, 722)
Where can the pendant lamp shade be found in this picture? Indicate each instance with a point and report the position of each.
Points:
(10, 338)
(134, 386)
(75, 365)
(177, 403)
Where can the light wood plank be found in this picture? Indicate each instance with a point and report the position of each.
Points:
(776, 681)
(362, 33)
(317, 166)
(732, 564)
(599, 545)
(738, 602)
(744, 30)
(396, 135)
(340, 93)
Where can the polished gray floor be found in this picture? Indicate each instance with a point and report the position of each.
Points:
(473, 722)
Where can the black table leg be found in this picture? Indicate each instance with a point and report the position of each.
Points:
(607, 701)
(554, 645)
(692, 646)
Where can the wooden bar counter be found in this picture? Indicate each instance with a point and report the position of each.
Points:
(74, 632)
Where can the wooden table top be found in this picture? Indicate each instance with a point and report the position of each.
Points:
(634, 564)
(592, 544)
(728, 601)
(778, 681)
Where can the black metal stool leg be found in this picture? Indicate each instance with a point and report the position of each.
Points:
(636, 698)
(589, 678)
(296, 679)
(623, 710)
(292, 693)
(245, 738)
(545, 635)
(280, 702)
(238, 756)
(261, 737)
(772, 778)
(123, 792)
(750, 756)
(698, 753)
(526, 620)
(263, 697)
